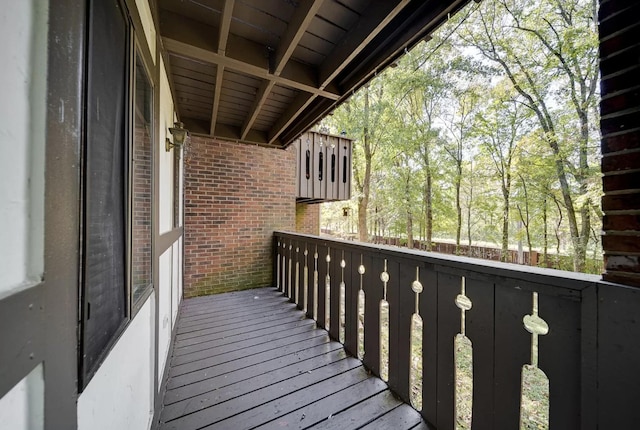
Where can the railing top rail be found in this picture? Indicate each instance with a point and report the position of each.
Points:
(538, 275)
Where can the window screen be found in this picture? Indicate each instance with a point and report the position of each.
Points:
(104, 309)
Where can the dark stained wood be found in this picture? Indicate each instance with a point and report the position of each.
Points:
(512, 351)
(336, 278)
(361, 414)
(352, 281)
(404, 416)
(429, 314)
(448, 327)
(322, 283)
(257, 372)
(501, 295)
(290, 324)
(308, 46)
(479, 324)
(558, 353)
(618, 356)
(402, 312)
(373, 294)
(347, 390)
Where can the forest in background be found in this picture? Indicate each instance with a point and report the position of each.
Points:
(487, 133)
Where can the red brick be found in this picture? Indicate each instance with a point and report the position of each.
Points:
(237, 196)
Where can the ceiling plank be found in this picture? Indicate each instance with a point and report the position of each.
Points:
(304, 14)
(370, 24)
(295, 108)
(250, 69)
(298, 25)
(376, 18)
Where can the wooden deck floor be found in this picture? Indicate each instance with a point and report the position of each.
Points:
(250, 360)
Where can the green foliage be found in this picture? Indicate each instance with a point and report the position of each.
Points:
(488, 133)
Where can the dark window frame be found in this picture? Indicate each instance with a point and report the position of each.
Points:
(133, 55)
(135, 304)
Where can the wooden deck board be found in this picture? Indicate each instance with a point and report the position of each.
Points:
(249, 359)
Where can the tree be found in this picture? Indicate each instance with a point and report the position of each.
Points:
(548, 50)
(363, 118)
(500, 128)
(458, 124)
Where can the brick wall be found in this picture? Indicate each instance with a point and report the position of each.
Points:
(308, 218)
(235, 197)
(620, 126)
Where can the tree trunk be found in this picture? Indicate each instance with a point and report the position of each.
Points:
(407, 202)
(363, 202)
(504, 255)
(458, 180)
(428, 196)
(545, 234)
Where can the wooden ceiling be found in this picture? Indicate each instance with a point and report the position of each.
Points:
(265, 71)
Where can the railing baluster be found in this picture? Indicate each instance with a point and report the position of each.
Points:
(337, 323)
(360, 308)
(327, 293)
(415, 348)
(289, 268)
(305, 281)
(401, 302)
(321, 286)
(559, 354)
(447, 326)
(429, 311)
(297, 277)
(373, 292)
(283, 269)
(479, 328)
(277, 274)
(512, 351)
(384, 326)
(312, 311)
(352, 287)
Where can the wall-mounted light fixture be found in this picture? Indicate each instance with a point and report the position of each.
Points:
(179, 134)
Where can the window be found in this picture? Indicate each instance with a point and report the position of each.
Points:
(117, 184)
(141, 190)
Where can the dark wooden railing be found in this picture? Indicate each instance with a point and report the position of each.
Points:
(514, 316)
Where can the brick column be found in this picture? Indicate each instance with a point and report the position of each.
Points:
(620, 126)
(308, 218)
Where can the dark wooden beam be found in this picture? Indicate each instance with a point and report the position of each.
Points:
(217, 91)
(298, 25)
(187, 37)
(206, 55)
(416, 23)
(261, 98)
(411, 25)
(299, 104)
(223, 36)
(376, 18)
(225, 24)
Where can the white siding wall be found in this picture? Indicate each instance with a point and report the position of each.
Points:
(164, 294)
(23, 31)
(120, 395)
(23, 406)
